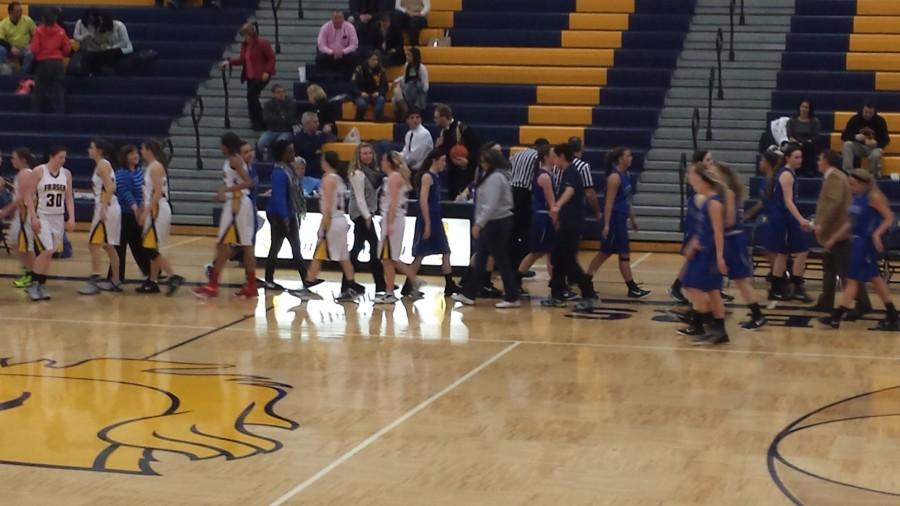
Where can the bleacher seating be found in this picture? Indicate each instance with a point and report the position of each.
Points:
(127, 108)
(839, 53)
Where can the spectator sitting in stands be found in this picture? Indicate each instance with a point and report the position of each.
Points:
(50, 46)
(114, 46)
(320, 105)
(418, 141)
(87, 35)
(280, 115)
(337, 44)
(363, 15)
(308, 144)
(803, 129)
(258, 60)
(370, 83)
(411, 88)
(411, 17)
(866, 135)
(389, 42)
(16, 31)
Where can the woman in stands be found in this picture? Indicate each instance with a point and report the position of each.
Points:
(706, 261)
(737, 249)
(411, 88)
(51, 199)
(393, 221)
(129, 190)
(703, 158)
(365, 179)
(370, 83)
(106, 225)
(787, 226)
(430, 237)
(156, 218)
(50, 46)
(20, 228)
(871, 218)
(542, 230)
(333, 232)
(617, 213)
(318, 103)
(803, 130)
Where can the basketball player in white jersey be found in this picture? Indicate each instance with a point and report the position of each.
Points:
(106, 225)
(20, 228)
(393, 221)
(53, 199)
(237, 223)
(156, 218)
(333, 232)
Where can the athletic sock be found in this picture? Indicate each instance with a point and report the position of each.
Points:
(213, 279)
(837, 314)
(891, 311)
(798, 282)
(251, 281)
(755, 311)
(703, 319)
(719, 323)
(39, 278)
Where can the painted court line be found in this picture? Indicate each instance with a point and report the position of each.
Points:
(109, 322)
(639, 260)
(375, 437)
(182, 243)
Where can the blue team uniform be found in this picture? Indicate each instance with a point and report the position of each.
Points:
(701, 272)
(437, 243)
(863, 255)
(787, 235)
(690, 218)
(541, 236)
(617, 243)
(737, 255)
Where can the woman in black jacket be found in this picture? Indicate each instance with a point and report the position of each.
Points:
(389, 42)
(370, 83)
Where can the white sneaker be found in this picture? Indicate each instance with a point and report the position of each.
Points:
(458, 297)
(416, 295)
(385, 298)
(505, 304)
(89, 288)
(34, 292)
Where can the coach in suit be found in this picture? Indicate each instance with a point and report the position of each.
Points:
(832, 211)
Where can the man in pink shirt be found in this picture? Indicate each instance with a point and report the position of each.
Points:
(337, 44)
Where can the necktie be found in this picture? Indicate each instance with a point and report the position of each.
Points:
(409, 140)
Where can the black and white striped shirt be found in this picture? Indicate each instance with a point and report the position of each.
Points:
(523, 168)
(584, 170)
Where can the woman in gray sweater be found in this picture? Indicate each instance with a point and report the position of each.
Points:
(365, 178)
(492, 229)
(803, 130)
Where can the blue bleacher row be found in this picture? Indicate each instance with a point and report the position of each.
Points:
(826, 8)
(553, 38)
(556, 21)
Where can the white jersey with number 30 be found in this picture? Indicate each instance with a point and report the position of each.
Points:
(51, 192)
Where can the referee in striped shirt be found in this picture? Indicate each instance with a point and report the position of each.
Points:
(584, 170)
(523, 164)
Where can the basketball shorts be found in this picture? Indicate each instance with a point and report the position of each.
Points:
(390, 244)
(53, 226)
(157, 226)
(106, 232)
(237, 225)
(334, 245)
(20, 230)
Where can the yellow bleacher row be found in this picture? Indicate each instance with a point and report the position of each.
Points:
(577, 21)
(877, 7)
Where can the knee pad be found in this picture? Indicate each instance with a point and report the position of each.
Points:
(152, 254)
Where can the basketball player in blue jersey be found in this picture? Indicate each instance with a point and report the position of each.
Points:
(787, 225)
(542, 231)
(704, 158)
(871, 217)
(706, 261)
(616, 216)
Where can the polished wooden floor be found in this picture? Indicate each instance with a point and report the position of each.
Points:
(129, 399)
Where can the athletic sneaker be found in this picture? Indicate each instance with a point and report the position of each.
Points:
(34, 292)
(315, 282)
(108, 286)
(385, 298)
(801, 295)
(726, 297)
(524, 294)
(23, 281)
(458, 297)
(552, 302)
(89, 288)
(450, 289)
(637, 293)
(271, 285)
(416, 295)
(45, 295)
(358, 288)
(205, 292)
(528, 274)
(147, 287)
(348, 295)
(174, 283)
(691, 330)
(587, 304)
(490, 292)
(304, 294)
(677, 295)
(569, 296)
(892, 325)
(712, 338)
(246, 293)
(207, 270)
(754, 323)
(505, 304)
(828, 321)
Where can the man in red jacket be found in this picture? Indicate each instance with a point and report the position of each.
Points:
(258, 61)
(49, 45)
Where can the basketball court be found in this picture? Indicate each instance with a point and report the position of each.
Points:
(131, 399)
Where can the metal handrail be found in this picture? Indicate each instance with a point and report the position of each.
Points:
(712, 84)
(720, 42)
(695, 128)
(682, 170)
(226, 78)
(299, 9)
(731, 7)
(276, 6)
(743, 20)
(197, 111)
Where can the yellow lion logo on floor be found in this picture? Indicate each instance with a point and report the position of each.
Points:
(112, 415)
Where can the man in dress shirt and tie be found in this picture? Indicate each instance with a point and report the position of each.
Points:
(418, 141)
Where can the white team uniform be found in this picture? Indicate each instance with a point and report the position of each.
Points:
(334, 245)
(237, 223)
(108, 231)
(51, 208)
(158, 223)
(390, 244)
(20, 226)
